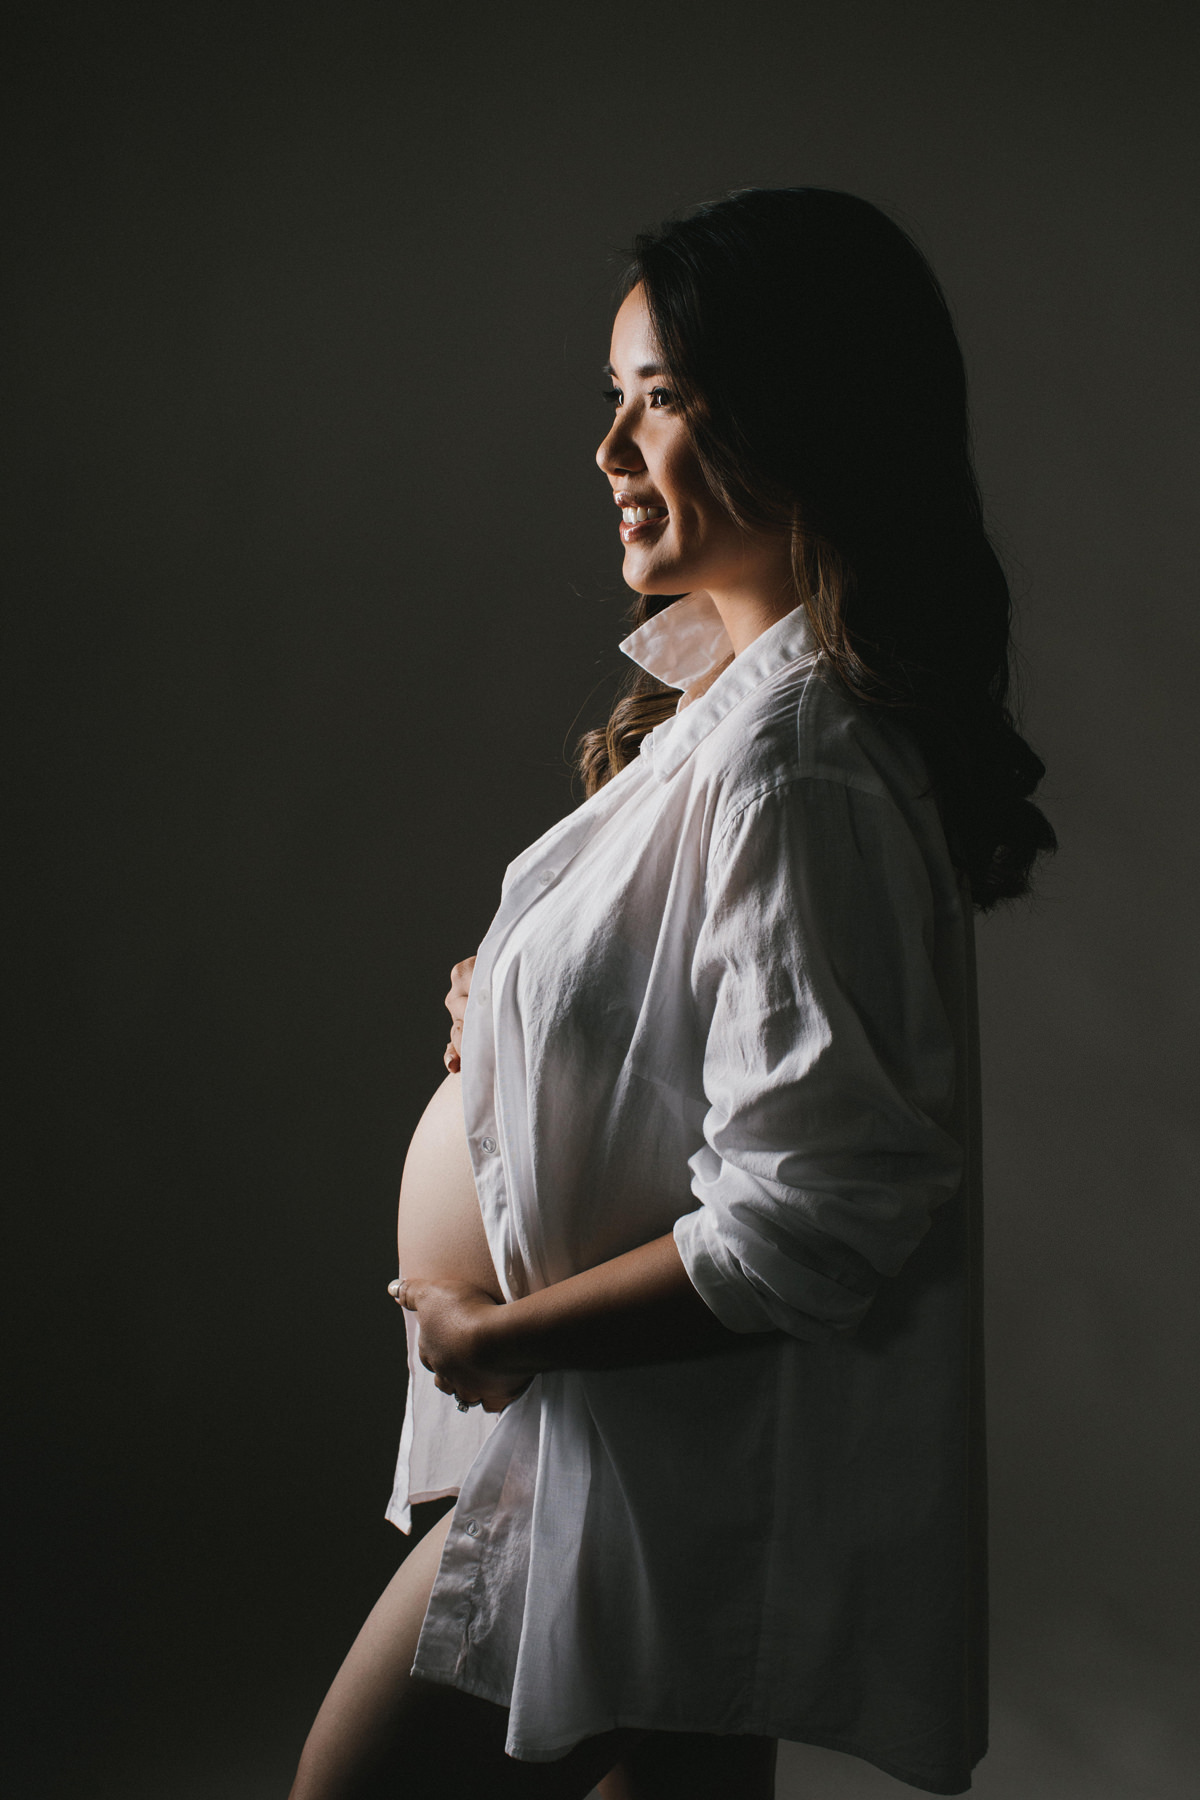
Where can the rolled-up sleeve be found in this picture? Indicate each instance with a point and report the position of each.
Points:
(829, 1060)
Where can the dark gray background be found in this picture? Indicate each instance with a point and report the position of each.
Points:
(313, 580)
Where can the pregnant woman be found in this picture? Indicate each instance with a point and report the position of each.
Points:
(690, 1249)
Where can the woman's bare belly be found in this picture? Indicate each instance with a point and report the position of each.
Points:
(439, 1229)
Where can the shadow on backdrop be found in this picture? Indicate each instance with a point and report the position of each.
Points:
(314, 582)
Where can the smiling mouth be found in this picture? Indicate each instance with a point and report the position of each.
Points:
(636, 521)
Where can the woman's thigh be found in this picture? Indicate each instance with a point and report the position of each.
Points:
(380, 1733)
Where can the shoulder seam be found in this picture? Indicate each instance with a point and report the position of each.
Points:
(796, 778)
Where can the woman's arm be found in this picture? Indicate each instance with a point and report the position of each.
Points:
(638, 1308)
(830, 1068)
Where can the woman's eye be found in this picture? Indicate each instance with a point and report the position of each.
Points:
(613, 395)
(660, 397)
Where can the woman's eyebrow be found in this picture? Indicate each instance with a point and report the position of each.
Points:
(642, 374)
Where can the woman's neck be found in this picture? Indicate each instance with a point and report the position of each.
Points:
(746, 613)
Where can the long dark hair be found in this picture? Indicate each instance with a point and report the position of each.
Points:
(813, 356)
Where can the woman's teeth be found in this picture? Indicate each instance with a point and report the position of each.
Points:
(638, 515)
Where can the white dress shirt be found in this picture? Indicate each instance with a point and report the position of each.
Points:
(732, 996)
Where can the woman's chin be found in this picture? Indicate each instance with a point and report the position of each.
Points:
(645, 576)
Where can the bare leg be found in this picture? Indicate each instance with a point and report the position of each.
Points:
(380, 1733)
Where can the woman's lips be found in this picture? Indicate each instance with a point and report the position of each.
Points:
(631, 530)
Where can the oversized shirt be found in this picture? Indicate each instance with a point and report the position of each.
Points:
(732, 996)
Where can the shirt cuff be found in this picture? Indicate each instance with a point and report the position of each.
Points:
(813, 1308)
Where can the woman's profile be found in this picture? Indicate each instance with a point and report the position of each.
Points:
(690, 1234)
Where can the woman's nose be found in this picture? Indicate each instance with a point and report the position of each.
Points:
(618, 453)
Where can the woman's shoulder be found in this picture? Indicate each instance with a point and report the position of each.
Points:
(804, 725)
(808, 764)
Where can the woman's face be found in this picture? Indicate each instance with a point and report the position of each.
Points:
(686, 540)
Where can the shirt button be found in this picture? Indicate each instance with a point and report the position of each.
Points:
(472, 1528)
(488, 1146)
(546, 877)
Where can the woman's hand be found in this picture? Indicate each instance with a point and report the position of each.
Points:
(454, 1318)
(456, 1006)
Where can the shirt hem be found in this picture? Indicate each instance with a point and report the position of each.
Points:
(523, 1749)
(399, 1512)
(927, 1782)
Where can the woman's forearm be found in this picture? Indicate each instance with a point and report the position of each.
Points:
(638, 1308)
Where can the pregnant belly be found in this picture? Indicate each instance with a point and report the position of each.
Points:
(439, 1229)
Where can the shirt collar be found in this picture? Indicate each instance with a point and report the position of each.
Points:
(682, 643)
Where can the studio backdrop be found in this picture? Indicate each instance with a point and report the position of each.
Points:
(313, 585)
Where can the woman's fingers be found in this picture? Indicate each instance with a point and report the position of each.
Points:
(446, 1310)
(405, 1293)
(460, 974)
(460, 987)
(456, 1006)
